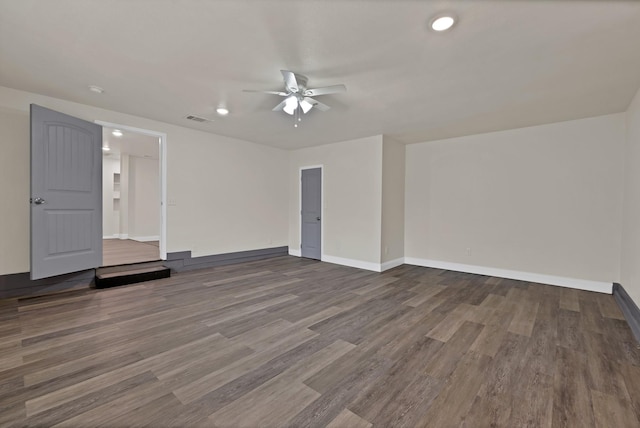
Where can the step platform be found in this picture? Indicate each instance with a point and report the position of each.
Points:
(114, 276)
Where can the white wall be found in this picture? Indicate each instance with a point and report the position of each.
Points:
(110, 217)
(393, 175)
(123, 214)
(544, 200)
(14, 191)
(144, 199)
(352, 191)
(630, 257)
(227, 195)
(224, 194)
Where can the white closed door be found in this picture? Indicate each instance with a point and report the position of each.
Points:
(66, 193)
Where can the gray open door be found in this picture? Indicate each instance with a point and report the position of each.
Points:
(66, 193)
(311, 196)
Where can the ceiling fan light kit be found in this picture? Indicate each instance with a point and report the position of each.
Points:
(290, 104)
(298, 99)
(305, 106)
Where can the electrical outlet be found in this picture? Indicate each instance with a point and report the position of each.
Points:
(468, 251)
(386, 249)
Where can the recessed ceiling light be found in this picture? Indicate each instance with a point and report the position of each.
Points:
(117, 133)
(96, 89)
(442, 22)
(222, 111)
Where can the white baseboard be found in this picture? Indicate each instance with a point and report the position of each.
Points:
(111, 237)
(351, 263)
(123, 236)
(293, 252)
(581, 284)
(391, 264)
(375, 267)
(145, 238)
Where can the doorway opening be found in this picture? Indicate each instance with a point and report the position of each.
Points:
(132, 195)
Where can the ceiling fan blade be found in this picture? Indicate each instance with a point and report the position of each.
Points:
(290, 81)
(335, 89)
(282, 94)
(317, 104)
(279, 106)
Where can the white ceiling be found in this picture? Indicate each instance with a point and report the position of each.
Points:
(506, 64)
(131, 143)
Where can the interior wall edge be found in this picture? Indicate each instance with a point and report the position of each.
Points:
(629, 309)
(145, 238)
(182, 261)
(580, 284)
(360, 264)
(20, 284)
(295, 253)
(391, 264)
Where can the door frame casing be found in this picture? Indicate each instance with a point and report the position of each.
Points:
(302, 168)
(163, 176)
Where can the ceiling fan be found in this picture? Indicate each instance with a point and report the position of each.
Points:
(298, 99)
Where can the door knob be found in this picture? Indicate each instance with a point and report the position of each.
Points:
(318, 218)
(38, 201)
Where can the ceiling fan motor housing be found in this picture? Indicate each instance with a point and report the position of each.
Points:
(302, 83)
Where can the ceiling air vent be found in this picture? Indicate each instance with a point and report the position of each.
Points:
(200, 119)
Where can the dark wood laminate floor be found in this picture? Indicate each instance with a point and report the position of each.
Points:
(293, 342)
(126, 251)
